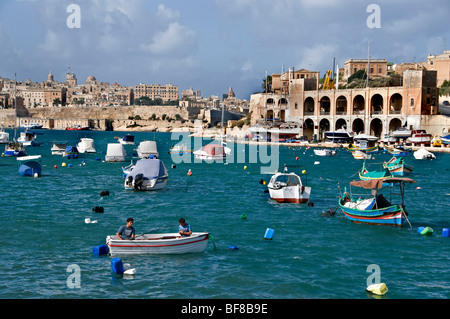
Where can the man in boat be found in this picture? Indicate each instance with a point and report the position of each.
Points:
(184, 228)
(126, 232)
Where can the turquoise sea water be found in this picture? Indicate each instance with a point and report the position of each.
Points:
(310, 256)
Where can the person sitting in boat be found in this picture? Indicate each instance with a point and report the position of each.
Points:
(184, 228)
(126, 232)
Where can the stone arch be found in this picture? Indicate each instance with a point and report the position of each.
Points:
(325, 105)
(395, 103)
(324, 126)
(376, 127)
(341, 105)
(394, 124)
(376, 104)
(341, 123)
(308, 106)
(358, 126)
(270, 115)
(282, 102)
(359, 104)
(308, 128)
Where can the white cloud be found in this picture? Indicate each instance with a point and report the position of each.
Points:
(167, 13)
(175, 39)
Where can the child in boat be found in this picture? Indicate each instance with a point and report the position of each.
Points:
(184, 228)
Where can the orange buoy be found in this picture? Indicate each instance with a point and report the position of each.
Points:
(190, 172)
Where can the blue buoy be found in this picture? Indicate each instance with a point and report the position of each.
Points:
(233, 248)
(445, 232)
(117, 266)
(100, 250)
(269, 234)
(70, 165)
(420, 229)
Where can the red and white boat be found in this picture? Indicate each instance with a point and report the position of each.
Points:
(78, 128)
(420, 137)
(212, 152)
(288, 188)
(158, 244)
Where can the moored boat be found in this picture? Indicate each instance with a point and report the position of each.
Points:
(401, 132)
(445, 139)
(147, 149)
(147, 175)
(324, 152)
(115, 152)
(179, 149)
(375, 209)
(288, 188)
(78, 128)
(158, 244)
(86, 145)
(15, 149)
(360, 155)
(30, 166)
(365, 174)
(58, 148)
(28, 138)
(340, 135)
(398, 167)
(71, 152)
(212, 152)
(399, 150)
(4, 137)
(423, 154)
(127, 139)
(420, 137)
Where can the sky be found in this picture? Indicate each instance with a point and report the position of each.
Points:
(210, 45)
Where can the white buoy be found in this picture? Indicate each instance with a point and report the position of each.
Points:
(87, 220)
(36, 175)
(316, 163)
(128, 270)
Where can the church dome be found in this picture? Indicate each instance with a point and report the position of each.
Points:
(91, 78)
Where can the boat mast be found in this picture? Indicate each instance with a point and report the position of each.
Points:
(265, 102)
(368, 62)
(15, 107)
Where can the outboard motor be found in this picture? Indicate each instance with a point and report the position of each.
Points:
(129, 180)
(138, 181)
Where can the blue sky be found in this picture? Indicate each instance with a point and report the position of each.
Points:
(211, 44)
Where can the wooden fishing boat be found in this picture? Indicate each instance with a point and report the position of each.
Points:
(376, 209)
(397, 166)
(158, 244)
(365, 174)
(399, 150)
(360, 155)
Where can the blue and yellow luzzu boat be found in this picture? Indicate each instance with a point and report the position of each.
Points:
(375, 210)
(368, 150)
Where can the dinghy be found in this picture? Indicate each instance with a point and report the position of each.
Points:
(115, 152)
(30, 166)
(423, 154)
(158, 244)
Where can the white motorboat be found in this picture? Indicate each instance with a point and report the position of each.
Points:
(340, 135)
(360, 155)
(423, 154)
(158, 244)
(32, 126)
(86, 145)
(28, 139)
(212, 152)
(147, 149)
(127, 140)
(420, 137)
(15, 149)
(58, 148)
(115, 153)
(288, 188)
(365, 137)
(401, 132)
(324, 152)
(147, 175)
(388, 139)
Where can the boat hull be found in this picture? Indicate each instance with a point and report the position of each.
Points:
(389, 216)
(161, 244)
(30, 169)
(290, 194)
(147, 185)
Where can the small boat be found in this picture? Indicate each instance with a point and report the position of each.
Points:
(324, 152)
(288, 188)
(127, 169)
(127, 140)
(58, 148)
(364, 148)
(158, 244)
(147, 149)
(4, 137)
(78, 128)
(445, 139)
(30, 166)
(147, 175)
(420, 137)
(365, 174)
(179, 149)
(375, 209)
(212, 152)
(401, 132)
(387, 139)
(86, 145)
(15, 149)
(28, 138)
(340, 135)
(71, 152)
(423, 154)
(360, 155)
(115, 152)
(398, 167)
(32, 126)
(399, 150)
(365, 137)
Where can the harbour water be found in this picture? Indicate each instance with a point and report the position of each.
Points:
(311, 256)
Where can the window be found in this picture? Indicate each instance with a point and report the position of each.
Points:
(296, 105)
(412, 102)
(379, 70)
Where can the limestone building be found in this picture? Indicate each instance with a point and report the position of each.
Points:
(378, 67)
(441, 64)
(166, 92)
